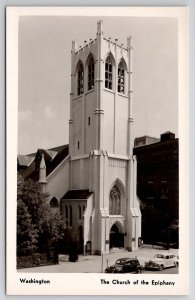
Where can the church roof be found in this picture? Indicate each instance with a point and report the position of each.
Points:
(53, 157)
(77, 194)
(25, 160)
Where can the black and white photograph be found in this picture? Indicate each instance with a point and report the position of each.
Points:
(97, 151)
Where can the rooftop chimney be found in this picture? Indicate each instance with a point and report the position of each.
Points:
(167, 136)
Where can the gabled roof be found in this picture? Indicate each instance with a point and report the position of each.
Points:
(77, 194)
(24, 160)
(53, 157)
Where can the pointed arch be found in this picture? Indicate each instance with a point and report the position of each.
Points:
(54, 202)
(120, 185)
(123, 62)
(118, 225)
(117, 193)
(90, 56)
(115, 201)
(90, 64)
(116, 235)
(109, 66)
(79, 63)
(122, 68)
(80, 77)
(109, 54)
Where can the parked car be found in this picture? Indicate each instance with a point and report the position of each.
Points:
(161, 261)
(125, 265)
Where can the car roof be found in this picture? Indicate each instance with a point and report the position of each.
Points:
(165, 253)
(127, 258)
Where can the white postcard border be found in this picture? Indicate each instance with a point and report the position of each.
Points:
(85, 284)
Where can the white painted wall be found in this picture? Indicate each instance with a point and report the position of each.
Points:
(58, 181)
(121, 125)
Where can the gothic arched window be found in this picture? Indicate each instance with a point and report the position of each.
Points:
(66, 215)
(79, 212)
(91, 71)
(108, 73)
(115, 201)
(70, 215)
(121, 78)
(54, 202)
(83, 209)
(80, 79)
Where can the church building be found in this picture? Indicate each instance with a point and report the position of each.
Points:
(101, 206)
(94, 179)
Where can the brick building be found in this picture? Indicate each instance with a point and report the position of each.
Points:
(158, 185)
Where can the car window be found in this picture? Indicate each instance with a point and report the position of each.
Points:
(120, 261)
(134, 262)
(159, 256)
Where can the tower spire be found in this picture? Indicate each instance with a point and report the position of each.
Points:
(100, 27)
(42, 170)
(74, 46)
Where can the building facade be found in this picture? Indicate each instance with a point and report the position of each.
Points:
(158, 187)
(49, 167)
(101, 206)
(93, 179)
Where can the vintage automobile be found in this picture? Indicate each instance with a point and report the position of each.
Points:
(161, 261)
(125, 265)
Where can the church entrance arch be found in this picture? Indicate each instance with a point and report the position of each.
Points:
(116, 237)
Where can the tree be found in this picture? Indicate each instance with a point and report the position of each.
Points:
(51, 225)
(27, 237)
(37, 222)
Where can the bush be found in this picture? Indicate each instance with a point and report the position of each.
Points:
(37, 222)
(29, 261)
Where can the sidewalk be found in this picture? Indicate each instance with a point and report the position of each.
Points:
(96, 263)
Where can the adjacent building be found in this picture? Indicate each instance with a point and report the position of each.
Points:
(158, 185)
(50, 167)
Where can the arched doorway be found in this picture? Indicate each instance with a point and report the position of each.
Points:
(116, 237)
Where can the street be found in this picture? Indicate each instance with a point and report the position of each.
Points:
(97, 264)
(165, 271)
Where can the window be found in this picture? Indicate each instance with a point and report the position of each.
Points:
(80, 80)
(78, 145)
(89, 121)
(121, 78)
(68, 215)
(83, 210)
(91, 68)
(54, 202)
(108, 73)
(70, 219)
(115, 201)
(79, 212)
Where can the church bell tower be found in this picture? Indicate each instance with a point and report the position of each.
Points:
(101, 144)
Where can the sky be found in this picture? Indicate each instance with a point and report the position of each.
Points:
(44, 74)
